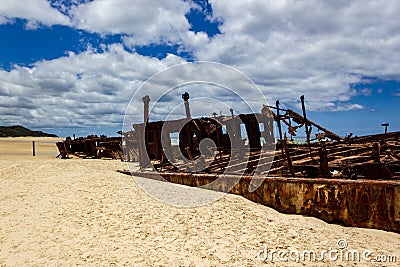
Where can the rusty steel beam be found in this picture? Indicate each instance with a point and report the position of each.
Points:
(278, 120)
(330, 134)
(303, 108)
(299, 119)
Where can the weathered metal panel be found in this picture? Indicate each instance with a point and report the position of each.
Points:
(359, 203)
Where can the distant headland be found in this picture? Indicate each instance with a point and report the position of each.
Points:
(20, 131)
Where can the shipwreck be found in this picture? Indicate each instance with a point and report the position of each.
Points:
(350, 180)
(354, 181)
(92, 146)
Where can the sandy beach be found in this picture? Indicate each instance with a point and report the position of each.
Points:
(83, 212)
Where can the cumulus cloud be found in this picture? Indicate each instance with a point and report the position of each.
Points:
(316, 48)
(289, 48)
(34, 11)
(212, 87)
(78, 90)
(142, 21)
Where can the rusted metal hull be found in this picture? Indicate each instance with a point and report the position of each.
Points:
(358, 203)
(354, 181)
(91, 147)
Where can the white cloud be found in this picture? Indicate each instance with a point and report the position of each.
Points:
(143, 21)
(366, 91)
(289, 48)
(35, 11)
(78, 90)
(316, 48)
(3, 20)
(348, 106)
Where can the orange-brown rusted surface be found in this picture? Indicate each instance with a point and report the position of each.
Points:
(91, 147)
(359, 203)
(350, 180)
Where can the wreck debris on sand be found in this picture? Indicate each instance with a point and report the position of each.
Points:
(354, 181)
(91, 146)
(218, 143)
(350, 180)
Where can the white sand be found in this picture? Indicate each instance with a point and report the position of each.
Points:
(82, 212)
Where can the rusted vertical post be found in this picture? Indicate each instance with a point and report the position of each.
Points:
(278, 120)
(290, 125)
(144, 160)
(146, 101)
(289, 160)
(234, 146)
(323, 161)
(386, 126)
(185, 98)
(234, 135)
(303, 107)
(376, 152)
(219, 147)
(33, 148)
(280, 142)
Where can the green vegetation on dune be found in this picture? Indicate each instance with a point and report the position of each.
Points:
(20, 131)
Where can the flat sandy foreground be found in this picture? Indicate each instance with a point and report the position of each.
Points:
(82, 212)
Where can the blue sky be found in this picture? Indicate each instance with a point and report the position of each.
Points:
(72, 66)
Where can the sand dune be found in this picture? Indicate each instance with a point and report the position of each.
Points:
(82, 212)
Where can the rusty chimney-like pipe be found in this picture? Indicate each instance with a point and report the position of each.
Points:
(146, 101)
(185, 98)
